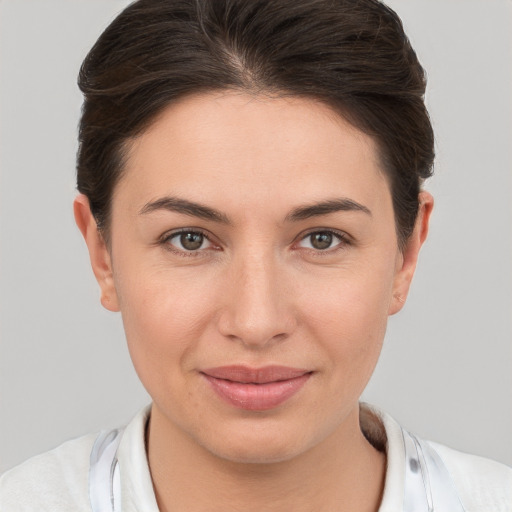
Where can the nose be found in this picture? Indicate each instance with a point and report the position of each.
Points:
(257, 306)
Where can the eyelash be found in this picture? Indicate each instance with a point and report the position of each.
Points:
(343, 241)
(165, 241)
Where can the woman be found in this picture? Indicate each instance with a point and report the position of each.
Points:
(250, 195)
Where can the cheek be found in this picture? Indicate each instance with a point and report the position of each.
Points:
(349, 317)
(164, 314)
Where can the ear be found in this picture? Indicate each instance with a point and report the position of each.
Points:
(409, 257)
(98, 252)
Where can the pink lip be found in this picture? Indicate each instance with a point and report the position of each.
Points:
(256, 389)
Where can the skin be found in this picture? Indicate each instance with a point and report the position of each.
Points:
(257, 292)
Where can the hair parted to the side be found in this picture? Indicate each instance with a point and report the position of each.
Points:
(351, 54)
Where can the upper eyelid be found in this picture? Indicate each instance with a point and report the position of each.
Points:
(344, 240)
(342, 235)
(174, 232)
(164, 240)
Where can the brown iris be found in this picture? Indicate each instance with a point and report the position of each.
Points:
(191, 241)
(322, 240)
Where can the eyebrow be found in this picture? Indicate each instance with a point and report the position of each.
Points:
(176, 204)
(326, 207)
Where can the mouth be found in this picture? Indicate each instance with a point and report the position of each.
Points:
(256, 389)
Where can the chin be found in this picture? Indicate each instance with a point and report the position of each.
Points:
(255, 445)
(255, 454)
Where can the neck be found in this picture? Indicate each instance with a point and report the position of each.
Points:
(343, 472)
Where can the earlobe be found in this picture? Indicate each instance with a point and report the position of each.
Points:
(99, 254)
(409, 256)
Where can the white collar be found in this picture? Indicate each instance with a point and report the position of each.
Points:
(415, 476)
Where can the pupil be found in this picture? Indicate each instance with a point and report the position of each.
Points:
(321, 240)
(191, 241)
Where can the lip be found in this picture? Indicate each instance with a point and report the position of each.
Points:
(256, 389)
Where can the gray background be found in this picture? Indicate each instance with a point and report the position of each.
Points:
(445, 369)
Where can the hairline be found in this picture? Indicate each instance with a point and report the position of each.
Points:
(336, 107)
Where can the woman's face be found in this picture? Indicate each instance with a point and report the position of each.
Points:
(255, 262)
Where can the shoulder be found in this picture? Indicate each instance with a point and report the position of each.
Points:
(53, 481)
(480, 484)
(483, 484)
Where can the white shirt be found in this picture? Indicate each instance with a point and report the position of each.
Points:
(58, 481)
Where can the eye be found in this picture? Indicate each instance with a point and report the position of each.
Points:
(323, 240)
(188, 241)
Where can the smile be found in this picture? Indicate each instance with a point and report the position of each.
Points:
(257, 389)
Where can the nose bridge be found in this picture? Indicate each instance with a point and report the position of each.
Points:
(257, 310)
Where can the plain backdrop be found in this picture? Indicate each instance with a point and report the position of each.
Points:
(445, 371)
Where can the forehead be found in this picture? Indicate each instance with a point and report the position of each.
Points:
(216, 146)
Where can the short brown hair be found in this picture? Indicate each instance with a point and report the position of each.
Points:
(351, 54)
